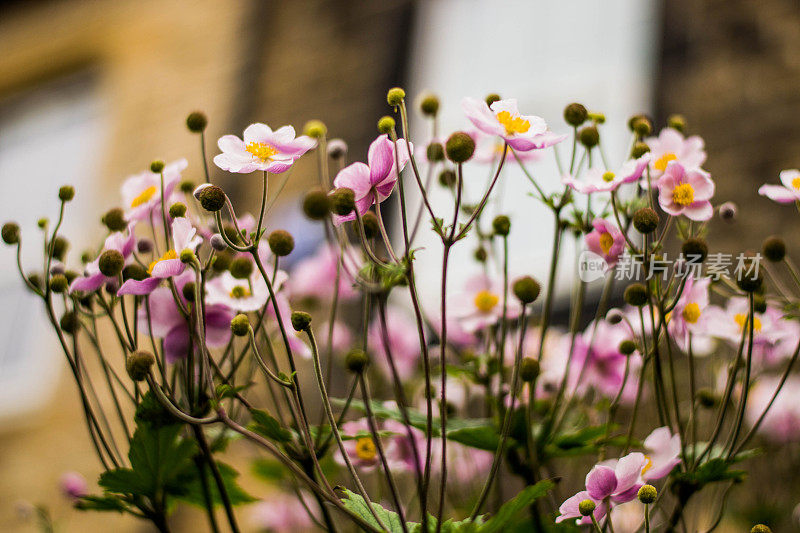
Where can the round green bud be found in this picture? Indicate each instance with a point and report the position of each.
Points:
(10, 233)
(759, 303)
(156, 166)
(645, 220)
(42, 222)
(575, 114)
(138, 364)
(707, 398)
(636, 294)
(241, 267)
(86, 257)
(748, 280)
(627, 347)
(447, 178)
(695, 248)
(760, 528)
(281, 242)
(395, 96)
(187, 256)
(774, 249)
(196, 121)
(435, 152)
(636, 118)
(647, 494)
(386, 124)
(36, 279)
(356, 361)
(66, 193)
(59, 283)
(134, 271)
(492, 98)
(459, 147)
(480, 254)
(69, 322)
(429, 105)
(316, 205)
(526, 289)
(528, 369)
(370, 223)
(677, 122)
(642, 126)
(111, 263)
(114, 219)
(589, 136)
(60, 247)
(586, 507)
(222, 261)
(177, 210)
(240, 325)
(639, 149)
(300, 320)
(188, 291)
(211, 197)
(186, 186)
(501, 225)
(316, 129)
(343, 201)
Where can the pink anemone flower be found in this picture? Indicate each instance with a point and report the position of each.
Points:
(184, 237)
(241, 295)
(315, 276)
(141, 193)
(663, 450)
(599, 364)
(599, 180)
(262, 149)
(786, 193)
(282, 513)
(480, 304)
(688, 317)
(781, 424)
(94, 279)
(73, 485)
(489, 149)
(606, 240)
(686, 191)
(670, 145)
(503, 119)
(373, 182)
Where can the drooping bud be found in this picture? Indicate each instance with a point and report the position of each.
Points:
(492, 98)
(300, 320)
(575, 114)
(240, 325)
(386, 124)
(645, 220)
(10, 233)
(677, 122)
(59, 283)
(395, 96)
(187, 256)
(370, 223)
(728, 211)
(642, 126)
(111, 263)
(281, 242)
(639, 149)
(144, 245)
(69, 322)
(188, 291)
(459, 147)
(138, 364)
(526, 289)
(614, 316)
(707, 398)
(636, 294)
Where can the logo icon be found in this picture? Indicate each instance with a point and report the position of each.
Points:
(591, 266)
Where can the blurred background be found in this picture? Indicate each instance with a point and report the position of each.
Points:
(92, 91)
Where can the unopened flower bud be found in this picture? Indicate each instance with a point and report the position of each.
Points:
(343, 201)
(597, 118)
(69, 322)
(138, 364)
(759, 303)
(222, 261)
(395, 96)
(177, 210)
(188, 291)
(635, 119)
(241, 267)
(316, 205)
(316, 129)
(356, 361)
(627, 347)
(526, 289)
(728, 211)
(429, 105)
(60, 245)
(42, 222)
(300, 320)
(281, 242)
(187, 256)
(111, 263)
(186, 186)
(575, 114)
(747, 279)
(370, 223)
(86, 257)
(386, 124)
(57, 268)
(707, 398)
(447, 178)
(774, 249)
(59, 283)
(114, 219)
(211, 197)
(642, 126)
(492, 98)
(156, 166)
(501, 225)
(337, 148)
(760, 528)
(677, 122)
(240, 325)
(645, 220)
(10, 233)
(636, 294)
(435, 152)
(528, 369)
(589, 136)
(66, 193)
(695, 248)
(614, 316)
(218, 242)
(586, 507)
(647, 494)
(639, 149)
(480, 254)
(134, 271)
(196, 121)
(144, 245)
(459, 147)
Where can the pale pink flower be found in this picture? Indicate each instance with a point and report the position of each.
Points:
(597, 179)
(606, 240)
(281, 513)
(315, 276)
(93, 279)
(480, 303)
(342, 337)
(686, 191)
(597, 362)
(489, 149)
(782, 422)
(786, 193)
(262, 149)
(670, 145)
(73, 485)
(373, 182)
(141, 193)
(503, 119)
(403, 343)
(662, 451)
(688, 317)
(362, 450)
(240, 295)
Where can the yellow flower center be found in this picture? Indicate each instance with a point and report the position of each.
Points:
(608, 176)
(648, 465)
(485, 301)
(741, 320)
(796, 183)
(513, 124)
(239, 292)
(606, 241)
(691, 313)
(144, 196)
(683, 194)
(169, 254)
(662, 162)
(365, 448)
(262, 151)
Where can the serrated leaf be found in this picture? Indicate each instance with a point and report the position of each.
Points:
(389, 520)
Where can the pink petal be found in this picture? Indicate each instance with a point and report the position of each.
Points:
(380, 158)
(139, 288)
(778, 193)
(167, 268)
(601, 482)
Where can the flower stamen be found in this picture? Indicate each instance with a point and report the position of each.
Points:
(485, 301)
(683, 194)
(662, 162)
(691, 313)
(144, 196)
(263, 151)
(169, 254)
(365, 449)
(513, 124)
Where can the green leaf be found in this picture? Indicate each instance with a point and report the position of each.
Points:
(711, 471)
(237, 495)
(268, 469)
(355, 503)
(482, 437)
(102, 503)
(511, 508)
(269, 426)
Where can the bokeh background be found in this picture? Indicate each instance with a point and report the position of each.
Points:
(92, 91)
